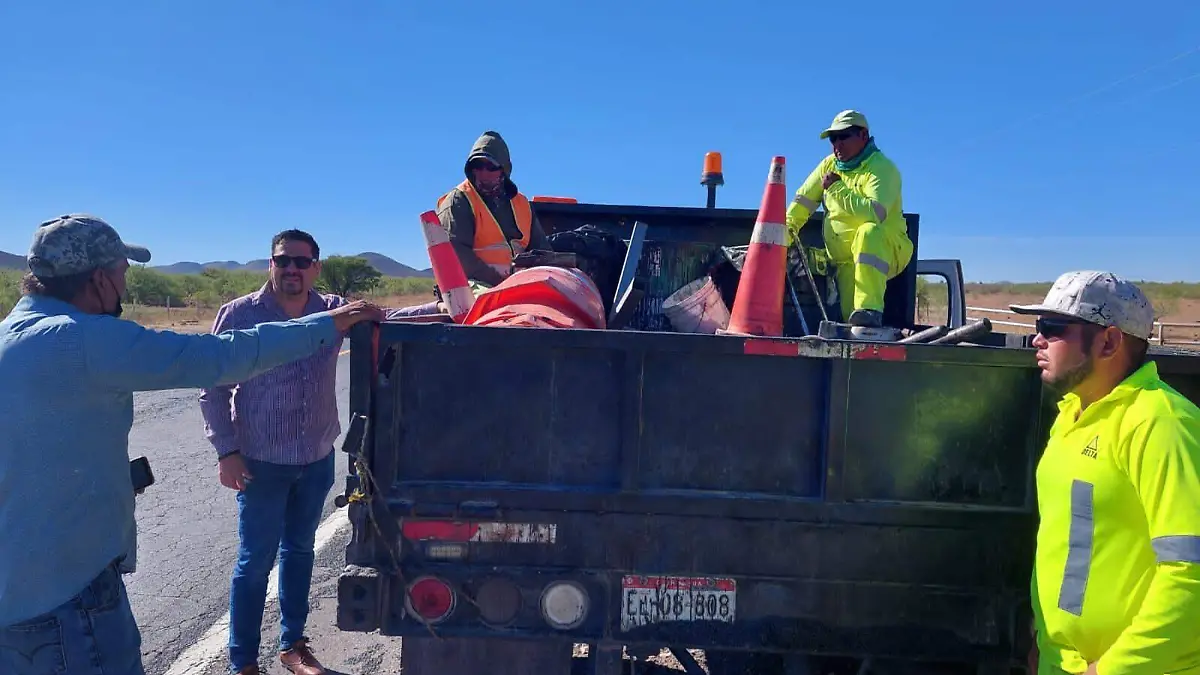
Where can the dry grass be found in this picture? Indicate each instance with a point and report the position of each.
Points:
(1182, 310)
(200, 319)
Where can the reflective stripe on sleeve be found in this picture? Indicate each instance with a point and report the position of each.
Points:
(1177, 548)
(805, 202)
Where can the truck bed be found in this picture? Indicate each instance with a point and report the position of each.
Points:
(904, 527)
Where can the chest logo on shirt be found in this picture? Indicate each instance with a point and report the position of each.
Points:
(1092, 449)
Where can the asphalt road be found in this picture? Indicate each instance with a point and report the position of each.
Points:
(187, 524)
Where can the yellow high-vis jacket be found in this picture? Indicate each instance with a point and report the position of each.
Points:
(1117, 572)
(869, 193)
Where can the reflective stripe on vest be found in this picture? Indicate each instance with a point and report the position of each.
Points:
(490, 243)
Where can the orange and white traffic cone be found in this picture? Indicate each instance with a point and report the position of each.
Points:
(447, 270)
(758, 305)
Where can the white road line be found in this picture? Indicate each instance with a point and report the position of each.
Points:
(213, 645)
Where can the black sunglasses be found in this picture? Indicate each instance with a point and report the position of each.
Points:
(1055, 327)
(282, 261)
(486, 166)
(841, 136)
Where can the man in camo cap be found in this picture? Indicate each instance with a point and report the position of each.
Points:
(69, 369)
(1116, 582)
(68, 251)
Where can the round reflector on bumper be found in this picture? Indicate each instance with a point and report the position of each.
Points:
(564, 605)
(499, 601)
(430, 599)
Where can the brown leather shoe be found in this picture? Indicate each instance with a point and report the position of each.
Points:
(300, 660)
(250, 670)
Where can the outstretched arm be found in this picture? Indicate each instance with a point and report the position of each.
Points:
(130, 357)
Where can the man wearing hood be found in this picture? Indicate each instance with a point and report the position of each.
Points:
(865, 231)
(489, 221)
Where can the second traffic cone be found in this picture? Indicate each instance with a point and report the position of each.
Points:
(447, 270)
(758, 304)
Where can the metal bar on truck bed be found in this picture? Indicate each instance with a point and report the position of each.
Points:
(633, 256)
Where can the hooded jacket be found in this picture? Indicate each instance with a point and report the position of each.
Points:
(457, 217)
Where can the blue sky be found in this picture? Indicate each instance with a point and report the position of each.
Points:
(1033, 137)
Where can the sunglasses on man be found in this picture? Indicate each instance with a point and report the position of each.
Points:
(302, 262)
(1056, 327)
(841, 136)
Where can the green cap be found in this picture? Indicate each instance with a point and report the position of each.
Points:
(845, 120)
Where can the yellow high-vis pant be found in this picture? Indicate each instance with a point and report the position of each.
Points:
(873, 256)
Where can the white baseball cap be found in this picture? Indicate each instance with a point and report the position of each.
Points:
(1101, 298)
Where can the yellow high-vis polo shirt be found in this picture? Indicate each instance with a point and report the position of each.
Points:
(1117, 571)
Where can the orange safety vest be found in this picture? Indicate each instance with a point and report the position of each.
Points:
(490, 244)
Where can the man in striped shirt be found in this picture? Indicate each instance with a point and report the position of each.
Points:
(274, 436)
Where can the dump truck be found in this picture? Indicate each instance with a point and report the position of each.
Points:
(799, 504)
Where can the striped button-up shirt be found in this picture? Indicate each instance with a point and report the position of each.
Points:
(287, 415)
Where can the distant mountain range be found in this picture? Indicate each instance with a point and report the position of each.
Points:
(9, 261)
(386, 266)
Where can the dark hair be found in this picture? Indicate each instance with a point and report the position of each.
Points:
(1135, 347)
(1138, 349)
(1088, 332)
(65, 288)
(296, 235)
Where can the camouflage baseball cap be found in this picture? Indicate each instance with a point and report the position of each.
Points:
(76, 243)
(1100, 298)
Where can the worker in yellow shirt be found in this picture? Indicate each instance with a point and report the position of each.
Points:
(864, 228)
(1116, 583)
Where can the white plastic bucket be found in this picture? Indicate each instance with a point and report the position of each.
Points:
(696, 308)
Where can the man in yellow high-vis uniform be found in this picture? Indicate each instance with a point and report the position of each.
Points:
(1116, 584)
(864, 228)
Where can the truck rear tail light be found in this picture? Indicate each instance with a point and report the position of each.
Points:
(564, 605)
(431, 599)
(499, 601)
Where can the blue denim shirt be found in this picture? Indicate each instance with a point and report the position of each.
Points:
(66, 406)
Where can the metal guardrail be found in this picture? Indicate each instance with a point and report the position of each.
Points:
(1160, 327)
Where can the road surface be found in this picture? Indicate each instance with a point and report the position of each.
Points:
(187, 540)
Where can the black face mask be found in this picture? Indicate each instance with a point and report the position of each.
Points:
(115, 311)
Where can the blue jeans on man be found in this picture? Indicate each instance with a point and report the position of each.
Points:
(278, 512)
(93, 633)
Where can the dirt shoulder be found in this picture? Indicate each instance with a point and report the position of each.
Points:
(1181, 311)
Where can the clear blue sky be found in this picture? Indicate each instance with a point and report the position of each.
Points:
(1033, 137)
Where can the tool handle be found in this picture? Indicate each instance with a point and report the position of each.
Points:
(969, 332)
(926, 335)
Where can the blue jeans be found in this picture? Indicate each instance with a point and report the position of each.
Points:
(93, 633)
(279, 510)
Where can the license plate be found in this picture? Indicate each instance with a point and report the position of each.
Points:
(647, 600)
